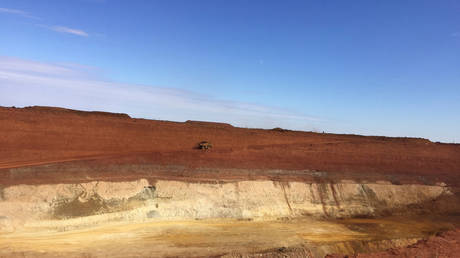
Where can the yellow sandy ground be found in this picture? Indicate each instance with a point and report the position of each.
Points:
(205, 237)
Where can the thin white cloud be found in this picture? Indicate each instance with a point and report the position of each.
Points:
(68, 30)
(11, 64)
(25, 83)
(61, 29)
(64, 29)
(17, 12)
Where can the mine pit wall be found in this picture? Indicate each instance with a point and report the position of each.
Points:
(85, 204)
(67, 207)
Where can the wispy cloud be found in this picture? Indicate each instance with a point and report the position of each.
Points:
(25, 82)
(76, 32)
(18, 12)
(66, 30)
(61, 29)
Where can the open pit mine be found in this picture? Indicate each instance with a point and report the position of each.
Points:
(95, 184)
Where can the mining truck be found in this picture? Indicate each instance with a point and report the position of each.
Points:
(205, 145)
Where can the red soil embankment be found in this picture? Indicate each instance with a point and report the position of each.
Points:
(443, 245)
(42, 135)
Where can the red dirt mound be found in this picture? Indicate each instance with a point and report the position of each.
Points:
(443, 245)
(45, 135)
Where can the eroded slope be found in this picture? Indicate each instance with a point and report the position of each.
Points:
(97, 184)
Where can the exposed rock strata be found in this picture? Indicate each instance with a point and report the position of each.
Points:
(178, 200)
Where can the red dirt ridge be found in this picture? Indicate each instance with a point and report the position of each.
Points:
(38, 136)
(443, 245)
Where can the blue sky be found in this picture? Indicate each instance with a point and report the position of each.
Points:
(365, 67)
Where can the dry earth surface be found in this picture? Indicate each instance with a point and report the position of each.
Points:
(446, 244)
(95, 184)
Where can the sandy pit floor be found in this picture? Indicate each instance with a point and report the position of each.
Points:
(211, 237)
